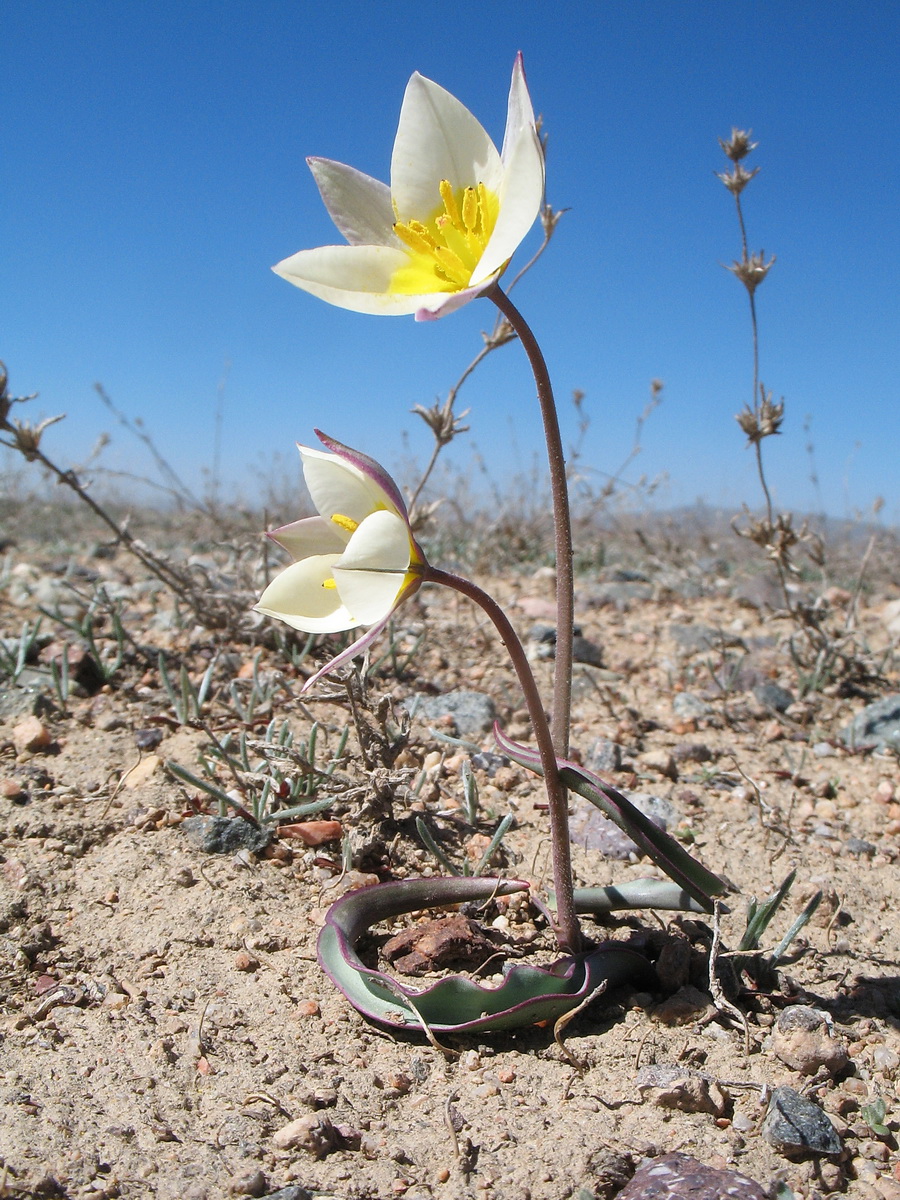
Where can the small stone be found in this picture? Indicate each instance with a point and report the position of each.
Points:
(803, 1040)
(794, 1124)
(690, 707)
(687, 1005)
(245, 961)
(860, 847)
(225, 835)
(11, 789)
(142, 772)
(604, 756)
(676, 1176)
(771, 695)
(313, 1133)
(307, 1008)
(30, 735)
(659, 761)
(148, 739)
(473, 713)
(253, 1183)
(679, 1088)
(877, 725)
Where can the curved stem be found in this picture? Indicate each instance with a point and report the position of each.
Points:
(562, 523)
(567, 929)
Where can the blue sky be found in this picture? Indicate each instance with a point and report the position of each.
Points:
(154, 168)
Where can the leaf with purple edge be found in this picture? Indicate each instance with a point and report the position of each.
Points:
(658, 845)
(526, 996)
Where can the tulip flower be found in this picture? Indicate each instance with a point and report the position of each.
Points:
(356, 561)
(447, 226)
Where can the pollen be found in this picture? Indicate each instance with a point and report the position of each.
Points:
(329, 583)
(445, 250)
(345, 523)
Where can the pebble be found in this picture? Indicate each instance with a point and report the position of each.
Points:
(473, 713)
(252, 1183)
(313, 1133)
(792, 1123)
(690, 707)
(803, 1040)
(772, 695)
(244, 961)
(30, 735)
(225, 835)
(876, 725)
(674, 1176)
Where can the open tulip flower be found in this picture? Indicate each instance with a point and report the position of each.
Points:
(356, 561)
(445, 229)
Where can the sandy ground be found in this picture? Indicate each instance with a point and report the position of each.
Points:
(164, 1022)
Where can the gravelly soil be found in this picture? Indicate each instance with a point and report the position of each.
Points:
(164, 1018)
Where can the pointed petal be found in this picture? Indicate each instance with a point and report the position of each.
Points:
(299, 598)
(519, 110)
(312, 535)
(437, 138)
(345, 656)
(353, 277)
(368, 466)
(359, 205)
(339, 486)
(520, 198)
(450, 302)
(367, 638)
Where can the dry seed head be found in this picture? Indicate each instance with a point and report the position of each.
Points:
(28, 437)
(442, 421)
(753, 270)
(738, 145)
(737, 179)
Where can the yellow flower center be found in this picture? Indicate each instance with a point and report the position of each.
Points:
(446, 249)
(329, 583)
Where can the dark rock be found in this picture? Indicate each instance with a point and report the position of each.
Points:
(473, 713)
(680, 1177)
(770, 695)
(604, 756)
(148, 739)
(859, 847)
(691, 752)
(225, 835)
(794, 1124)
(877, 725)
(294, 1192)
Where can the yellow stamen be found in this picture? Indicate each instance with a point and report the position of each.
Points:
(329, 583)
(345, 523)
(445, 250)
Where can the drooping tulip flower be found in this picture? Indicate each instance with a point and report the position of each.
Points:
(447, 226)
(356, 561)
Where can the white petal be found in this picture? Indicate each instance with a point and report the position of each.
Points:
(520, 198)
(337, 486)
(372, 571)
(359, 205)
(519, 111)
(437, 138)
(354, 277)
(382, 543)
(313, 535)
(369, 595)
(297, 597)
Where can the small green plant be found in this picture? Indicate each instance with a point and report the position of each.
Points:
(16, 653)
(874, 1116)
(761, 915)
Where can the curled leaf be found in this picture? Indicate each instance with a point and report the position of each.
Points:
(526, 995)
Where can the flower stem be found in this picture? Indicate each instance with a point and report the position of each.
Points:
(567, 930)
(562, 523)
